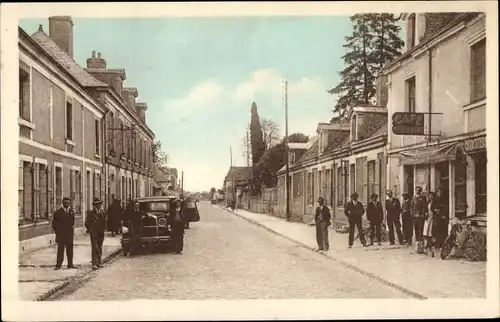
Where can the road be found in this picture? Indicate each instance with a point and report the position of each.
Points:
(226, 257)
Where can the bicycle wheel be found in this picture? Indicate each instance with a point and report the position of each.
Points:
(447, 247)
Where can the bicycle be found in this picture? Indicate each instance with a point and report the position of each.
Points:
(366, 231)
(473, 245)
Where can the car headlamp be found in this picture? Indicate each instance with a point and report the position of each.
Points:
(162, 222)
(124, 230)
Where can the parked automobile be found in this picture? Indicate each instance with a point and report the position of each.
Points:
(156, 232)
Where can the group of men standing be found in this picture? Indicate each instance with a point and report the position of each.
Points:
(412, 212)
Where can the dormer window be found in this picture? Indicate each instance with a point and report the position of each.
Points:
(291, 157)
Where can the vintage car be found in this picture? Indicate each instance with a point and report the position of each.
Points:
(155, 227)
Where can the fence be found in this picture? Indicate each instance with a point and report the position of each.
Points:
(266, 202)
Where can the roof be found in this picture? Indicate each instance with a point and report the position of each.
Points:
(79, 73)
(155, 198)
(435, 21)
(159, 175)
(382, 130)
(333, 126)
(298, 146)
(239, 173)
(369, 109)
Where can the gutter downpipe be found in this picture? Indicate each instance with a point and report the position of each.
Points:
(429, 138)
(104, 153)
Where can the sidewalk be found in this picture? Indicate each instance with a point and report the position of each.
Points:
(37, 278)
(397, 266)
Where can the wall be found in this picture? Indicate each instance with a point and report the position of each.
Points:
(450, 81)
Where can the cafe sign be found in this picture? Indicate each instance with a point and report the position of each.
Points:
(408, 123)
(475, 144)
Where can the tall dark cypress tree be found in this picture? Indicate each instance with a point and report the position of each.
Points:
(256, 138)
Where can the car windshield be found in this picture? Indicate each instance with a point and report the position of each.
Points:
(157, 206)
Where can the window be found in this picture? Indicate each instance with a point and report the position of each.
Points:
(122, 138)
(353, 179)
(320, 184)
(480, 182)
(313, 183)
(410, 85)
(411, 31)
(97, 137)
(69, 121)
(328, 187)
(354, 133)
(340, 186)
(309, 188)
(111, 133)
(297, 185)
(58, 179)
(478, 71)
(24, 94)
(372, 184)
(51, 112)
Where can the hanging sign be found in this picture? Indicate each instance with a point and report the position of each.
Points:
(408, 123)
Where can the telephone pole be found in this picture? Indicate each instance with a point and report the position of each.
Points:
(287, 180)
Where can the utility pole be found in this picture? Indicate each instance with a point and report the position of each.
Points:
(248, 146)
(287, 181)
(182, 184)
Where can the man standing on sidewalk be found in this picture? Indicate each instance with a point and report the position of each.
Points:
(96, 225)
(322, 219)
(407, 220)
(354, 210)
(418, 210)
(62, 224)
(393, 210)
(375, 215)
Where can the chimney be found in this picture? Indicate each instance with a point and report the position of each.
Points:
(61, 32)
(129, 95)
(96, 62)
(382, 91)
(141, 109)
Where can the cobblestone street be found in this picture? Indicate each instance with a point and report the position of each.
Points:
(225, 257)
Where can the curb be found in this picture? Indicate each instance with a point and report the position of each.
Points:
(49, 293)
(355, 268)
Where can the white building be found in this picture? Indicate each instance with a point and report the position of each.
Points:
(443, 70)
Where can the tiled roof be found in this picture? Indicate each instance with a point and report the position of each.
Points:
(239, 173)
(435, 21)
(382, 130)
(84, 78)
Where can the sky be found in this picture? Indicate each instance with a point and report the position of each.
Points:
(199, 77)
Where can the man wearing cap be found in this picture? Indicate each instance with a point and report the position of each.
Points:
(62, 224)
(354, 211)
(96, 225)
(322, 220)
(393, 211)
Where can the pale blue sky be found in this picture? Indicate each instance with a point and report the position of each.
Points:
(199, 77)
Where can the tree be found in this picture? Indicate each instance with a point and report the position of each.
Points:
(256, 138)
(160, 158)
(298, 138)
(270, 135)
(274, 159)
(375, 41)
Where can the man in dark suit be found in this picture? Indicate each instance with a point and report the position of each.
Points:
(322, 220)
(62, 224)
(134, 220)
(177, 221)
(418, 210)
(375, 215)
(393, 210)
(96, 225)
(354, 211)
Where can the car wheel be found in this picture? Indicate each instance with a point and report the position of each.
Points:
(126, 250)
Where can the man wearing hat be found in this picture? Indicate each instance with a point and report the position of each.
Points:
(62, 224)
(115, 212)
(354, 211)
(96, 225)
(393, 211)
(322, 219)
(177, 221)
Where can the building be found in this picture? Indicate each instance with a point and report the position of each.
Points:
(345, 157)
(443, 71)
(59, 134)
(81, 133)
(236, 179)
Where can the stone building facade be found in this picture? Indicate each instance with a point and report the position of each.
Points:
(58, 145)
(81, 134)
(443, 72)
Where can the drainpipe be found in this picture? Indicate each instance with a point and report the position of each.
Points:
(429, 138)
(103, 157)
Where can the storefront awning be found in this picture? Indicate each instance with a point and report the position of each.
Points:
(430, 154)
